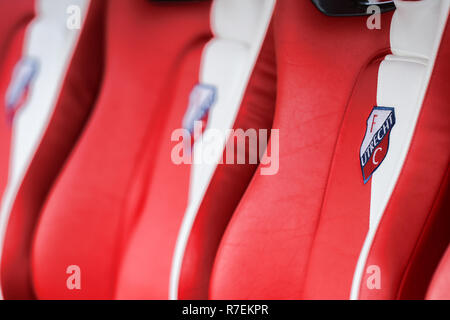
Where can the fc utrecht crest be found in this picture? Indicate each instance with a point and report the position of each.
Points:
(375, 145)
(23, 75)
(202, 98)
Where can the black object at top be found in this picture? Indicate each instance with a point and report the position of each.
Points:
(348, 8)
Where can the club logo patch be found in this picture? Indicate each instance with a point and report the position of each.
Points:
(201, 99)
(375, 145)
(23, 75)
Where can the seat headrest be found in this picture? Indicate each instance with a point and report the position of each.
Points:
(348, 8)
(416, 27)
(239, 20)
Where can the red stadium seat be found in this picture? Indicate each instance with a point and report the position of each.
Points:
(47, 91)
(328, 226)
(118, 206)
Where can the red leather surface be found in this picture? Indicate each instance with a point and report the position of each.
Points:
(71, 112)
(102, 215)
(414, 231)
(440, 285)
(344, 218)
(15, 17)
(283, 220)
(129, 205)
(299, 234)
(230, 181)
(8, 65)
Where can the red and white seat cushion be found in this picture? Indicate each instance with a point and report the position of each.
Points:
(50, 84)
(118, 205)
(326, 225)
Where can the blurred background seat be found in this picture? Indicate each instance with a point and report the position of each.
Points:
(50, 85)
(118, 205)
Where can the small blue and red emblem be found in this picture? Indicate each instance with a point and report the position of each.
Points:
(23, 75)
(375, 145)
(201, 100)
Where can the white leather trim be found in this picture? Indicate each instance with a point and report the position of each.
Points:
(416, 33)
(49, 41)
(228, 60)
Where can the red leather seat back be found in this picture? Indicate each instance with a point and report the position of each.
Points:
(276, 219)
(318, 227)
(16, 15)
(47, 127)
(99, 198)
(117, 208)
